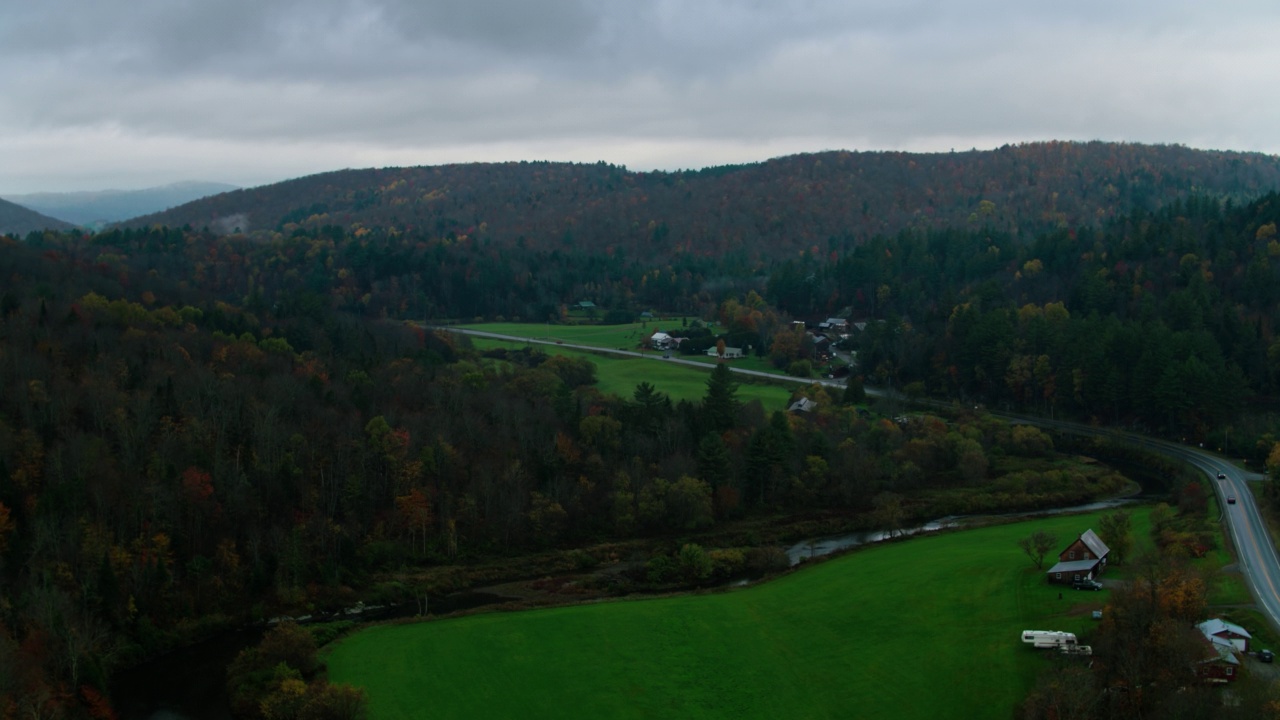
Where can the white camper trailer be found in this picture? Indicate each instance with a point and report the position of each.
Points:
(1048, 638)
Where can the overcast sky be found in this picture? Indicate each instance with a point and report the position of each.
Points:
(98, 94)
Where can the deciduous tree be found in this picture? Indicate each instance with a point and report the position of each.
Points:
(1037, 545)
(1115, 530)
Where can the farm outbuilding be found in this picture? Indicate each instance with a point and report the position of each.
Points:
(730, 353)
(1220, 664)
(1084, 559)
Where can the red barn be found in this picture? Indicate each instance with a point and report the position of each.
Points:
(1220, 664)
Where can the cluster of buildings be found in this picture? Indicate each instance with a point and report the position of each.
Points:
(1226, 643)
(824, 336)
(662, 341)
(1079, 565)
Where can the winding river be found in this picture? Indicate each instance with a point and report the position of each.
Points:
(817, 547)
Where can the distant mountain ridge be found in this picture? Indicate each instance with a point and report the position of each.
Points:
(780, 206)
(18, 220)
(102, 207)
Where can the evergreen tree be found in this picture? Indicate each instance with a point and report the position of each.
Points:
(651, 408)
(720, 404)
(769, 454)
(713, 460)
(854, 392)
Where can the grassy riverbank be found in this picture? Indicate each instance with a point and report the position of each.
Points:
(922, 628)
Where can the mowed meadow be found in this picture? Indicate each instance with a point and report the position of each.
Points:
(923, 628)
(619, 375)
(615, 337)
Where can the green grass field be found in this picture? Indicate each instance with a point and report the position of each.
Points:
(613, 337)
(620, 375)
(926, 628)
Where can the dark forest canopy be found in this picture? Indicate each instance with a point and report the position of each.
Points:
(1163, 318)
(816, 203)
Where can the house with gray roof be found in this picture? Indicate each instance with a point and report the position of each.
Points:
(804, 404)
(1221, 632)
(1084, 559)
(730, 353)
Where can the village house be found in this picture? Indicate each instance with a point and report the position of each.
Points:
(730, 353)
(1082, 560)
(1221, 632)
(804, 404)
(662, 341)
(1220, 664)
(821, 343)
(834, 325)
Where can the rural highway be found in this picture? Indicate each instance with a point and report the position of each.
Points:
(1259, 562)
(1255, 550)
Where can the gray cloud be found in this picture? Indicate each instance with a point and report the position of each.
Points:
(249, 91)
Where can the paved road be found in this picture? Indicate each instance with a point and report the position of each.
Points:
(1259, 562)
(1255, 550)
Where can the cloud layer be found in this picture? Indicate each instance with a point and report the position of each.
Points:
(251, 91)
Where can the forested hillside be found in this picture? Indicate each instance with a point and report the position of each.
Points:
(17, 220)
(815, 203)
(199, 426)
(1163, 318)
(97, 208)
